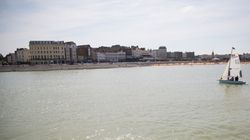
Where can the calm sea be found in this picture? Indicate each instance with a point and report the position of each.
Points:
(141, 103)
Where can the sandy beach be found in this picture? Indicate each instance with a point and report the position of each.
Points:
(13, 68)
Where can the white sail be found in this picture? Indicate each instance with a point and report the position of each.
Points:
(225, 73)
(235, 65)
(232, 73)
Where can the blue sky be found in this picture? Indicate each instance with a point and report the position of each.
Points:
(181, 25)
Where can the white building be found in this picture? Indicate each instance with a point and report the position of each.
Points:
(138, 53)
(111, 56)
(159, 54)
(22, 55)
(154, 54)
(70, 52)
(101, 57)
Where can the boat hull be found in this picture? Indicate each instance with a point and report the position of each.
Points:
(232, 82)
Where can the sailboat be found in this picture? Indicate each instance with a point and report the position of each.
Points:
(232, 73)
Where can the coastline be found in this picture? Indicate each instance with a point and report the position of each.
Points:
(51, 67)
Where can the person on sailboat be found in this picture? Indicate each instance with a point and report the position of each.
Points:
(236, 78)
(232, 79)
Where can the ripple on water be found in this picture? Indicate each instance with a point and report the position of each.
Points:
(114, 135)
(157, 102)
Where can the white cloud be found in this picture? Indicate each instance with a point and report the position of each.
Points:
(187, 9)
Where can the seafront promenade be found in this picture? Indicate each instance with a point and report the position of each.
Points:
(49, 67)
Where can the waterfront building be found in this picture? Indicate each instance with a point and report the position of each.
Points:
(70, 52)
(116, 48)
(139, 52)
(1, 59)
(224, 57)
(112, 51)
(11, 58)
(115, 56)
(47, 52)
(245, 56)
(111, 56)
(162, 53)
(128, 52)
(153, 54)
(103, 49)
(84, 52)
(100, 57)
(204, 57)
(22, 55)
(147, 57)
(119, 48)
(8, 58)
(170, 55)
(177, 55)
(188, 56)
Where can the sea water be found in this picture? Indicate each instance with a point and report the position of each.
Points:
(140, 103)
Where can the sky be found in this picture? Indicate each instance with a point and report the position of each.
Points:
(201, 26)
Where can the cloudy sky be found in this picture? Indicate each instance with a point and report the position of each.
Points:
(181, 25)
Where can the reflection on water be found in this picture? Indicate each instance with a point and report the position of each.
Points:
(158, 103)
(231, 89)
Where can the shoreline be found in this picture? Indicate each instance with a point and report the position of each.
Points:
(52, 67)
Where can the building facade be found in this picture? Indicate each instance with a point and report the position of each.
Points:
(47, 52)
(83, 53)
(162, 53)
(245, 56)
(188, 56)
(139, 52)
(70, 52)
(177, 55)
(154, 54)
(22, 55)
(11, 58)
(111, 56)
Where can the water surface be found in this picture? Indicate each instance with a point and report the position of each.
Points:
(158, 103)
